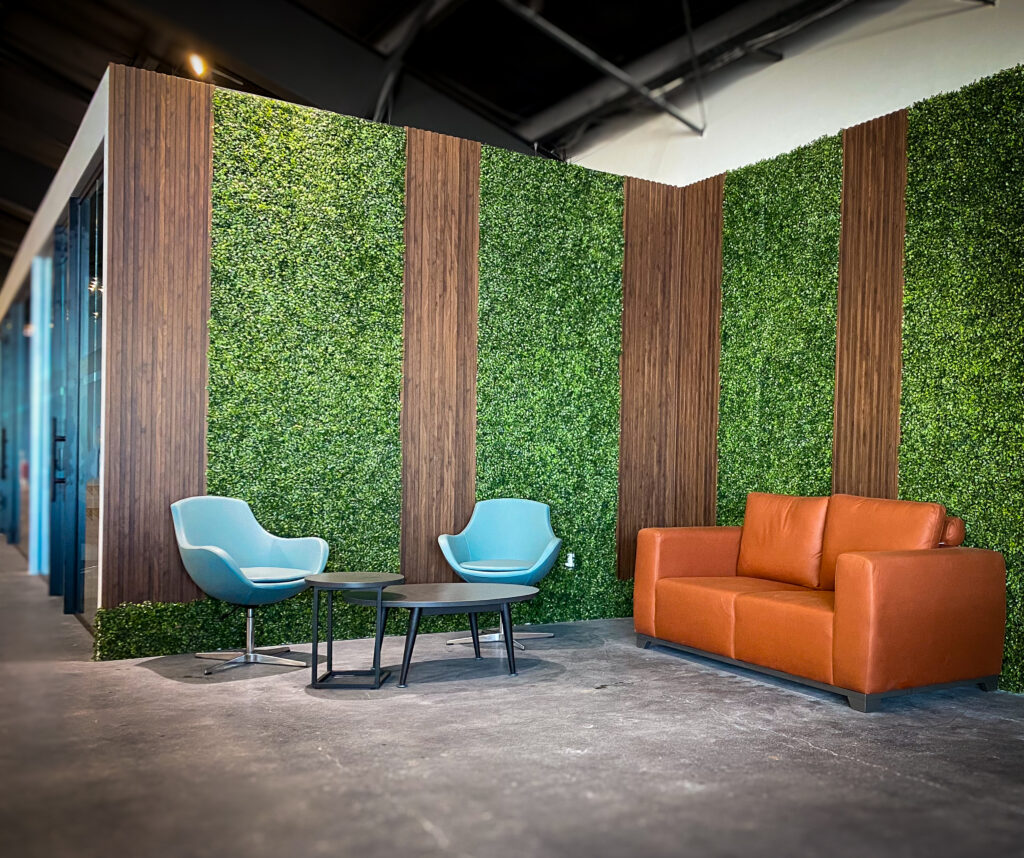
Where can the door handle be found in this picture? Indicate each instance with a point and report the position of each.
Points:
(3, 453)
(56, 463)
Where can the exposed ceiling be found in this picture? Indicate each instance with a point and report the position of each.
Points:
(485, 69)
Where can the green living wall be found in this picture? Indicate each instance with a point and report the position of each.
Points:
(549, 341)
(962, 410)
(780, 271)
(305, 355)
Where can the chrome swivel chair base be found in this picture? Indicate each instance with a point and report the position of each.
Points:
(498, 637)
(252, 655)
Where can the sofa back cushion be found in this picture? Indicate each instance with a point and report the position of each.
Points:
(873, 524)
(782, 538)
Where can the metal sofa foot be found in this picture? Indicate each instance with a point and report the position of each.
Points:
(864, 702)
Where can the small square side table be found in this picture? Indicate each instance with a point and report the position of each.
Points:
(329, 583)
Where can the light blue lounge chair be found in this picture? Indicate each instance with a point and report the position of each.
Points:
(232, 558)
(507, 541)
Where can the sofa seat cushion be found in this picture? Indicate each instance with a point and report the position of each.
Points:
(787, 631)
(699, 612)
(782, 538)
(873, 524)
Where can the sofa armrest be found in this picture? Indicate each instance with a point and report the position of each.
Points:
(676, 552)
(911, 618)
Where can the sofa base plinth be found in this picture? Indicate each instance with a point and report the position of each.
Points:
(858, 701)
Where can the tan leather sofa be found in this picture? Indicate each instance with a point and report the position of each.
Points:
(865, 597)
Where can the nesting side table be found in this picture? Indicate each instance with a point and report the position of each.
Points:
(330, 583)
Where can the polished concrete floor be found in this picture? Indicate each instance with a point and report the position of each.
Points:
(596, 749)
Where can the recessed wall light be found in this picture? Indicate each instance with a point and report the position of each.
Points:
(197, 64)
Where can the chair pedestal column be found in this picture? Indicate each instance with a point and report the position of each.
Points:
(253, 654)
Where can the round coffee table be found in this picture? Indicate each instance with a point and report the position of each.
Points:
(433, 599)
(362, 582)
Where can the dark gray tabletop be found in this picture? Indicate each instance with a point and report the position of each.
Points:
(354, 580)
(448, 595)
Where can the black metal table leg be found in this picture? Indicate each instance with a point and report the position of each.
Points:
(474, 630)
(330, 631)
(506, 627)
(316, 632)
(410, 642)
(378, 641)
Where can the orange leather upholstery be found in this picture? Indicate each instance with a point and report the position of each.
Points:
(911, 618)
(872, 524)
(787, 631)
(700, 612)
(672, 552)
(954, 532)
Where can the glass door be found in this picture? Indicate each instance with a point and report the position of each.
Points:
(13, 364)
(63, 437)
(76, 404)
(90, 402)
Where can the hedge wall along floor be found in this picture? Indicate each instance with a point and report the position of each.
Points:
(550, 326)
(963, 326)
(305, 352)
(780, 275)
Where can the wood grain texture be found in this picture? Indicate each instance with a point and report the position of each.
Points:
(672, 306)
(157, 303)
(870, 308)
(442, 183)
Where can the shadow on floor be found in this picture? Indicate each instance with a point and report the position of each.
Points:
(918, 702)
(486, 674)
(188, 668)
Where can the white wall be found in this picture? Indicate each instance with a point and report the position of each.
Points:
(866, 61)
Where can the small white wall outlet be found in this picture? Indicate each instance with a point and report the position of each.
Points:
(570, 561)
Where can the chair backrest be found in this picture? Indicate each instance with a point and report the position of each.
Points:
(226, 523)
(508, 528)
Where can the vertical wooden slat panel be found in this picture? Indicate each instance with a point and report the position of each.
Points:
(870, 309)
(439, 386)
(157, 301)
(672, 304)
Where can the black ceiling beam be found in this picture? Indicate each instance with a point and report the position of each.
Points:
(430, 11)
(316, 63)
(23, 182)
(43, 72)
(590, 56)
(27, 139)
(653, 67)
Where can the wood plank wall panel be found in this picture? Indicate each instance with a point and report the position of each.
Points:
(672, 306)
(439, 386)
(870, 308)
(157, 304)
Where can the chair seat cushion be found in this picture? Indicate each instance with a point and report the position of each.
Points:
(700, 612)
(790, 631)
(497, 565)
(274, 574)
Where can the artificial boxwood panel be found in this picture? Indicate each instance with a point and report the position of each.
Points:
(962, 410)
(549, 342)
(780, 272)
(305, 345)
